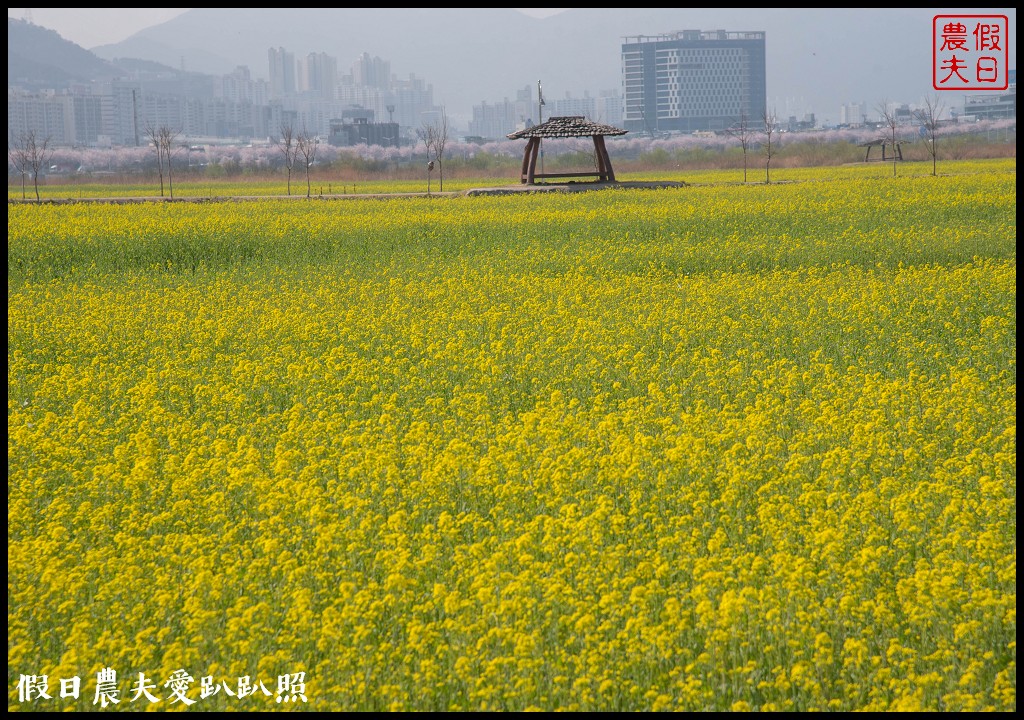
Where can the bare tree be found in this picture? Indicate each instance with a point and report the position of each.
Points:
(39, 154)
(287, 144)
(167, 137)
(743, 132)
(306, 146)
(425, 136)
(31, 156)
(929, 116)
(153, 133)
(435, 137)
(17, 156)
(440, 140)
(892, 122)
(771, 127)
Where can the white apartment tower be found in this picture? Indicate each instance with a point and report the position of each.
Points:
(693, 80)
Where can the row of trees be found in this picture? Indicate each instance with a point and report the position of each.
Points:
(34, 157)
(295, 145)
(744, 132)
(30, 155)
(163, 139)
(303, 144)
(928, 117)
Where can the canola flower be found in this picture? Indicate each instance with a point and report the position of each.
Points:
(709, 449)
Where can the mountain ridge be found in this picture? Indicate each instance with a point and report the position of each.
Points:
(39, 56)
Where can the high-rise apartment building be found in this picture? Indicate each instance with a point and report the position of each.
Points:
(608, 108)
(495, 121)
(282, 72)
(321, 75)
(693, 80)
(49, 114)
(583, 106)
(853, 114)
(371, 72)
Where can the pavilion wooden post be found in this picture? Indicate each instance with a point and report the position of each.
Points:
(604, 161)
(526, 161)
(529, 170)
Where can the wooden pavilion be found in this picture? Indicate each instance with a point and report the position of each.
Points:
(897, 148)
(566, 126)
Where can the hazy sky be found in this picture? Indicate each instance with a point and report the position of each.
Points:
(90, 27)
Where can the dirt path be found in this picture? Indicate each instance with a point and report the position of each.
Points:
(497, 190)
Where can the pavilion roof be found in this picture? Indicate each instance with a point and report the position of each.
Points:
(566, 126)
(879, 141)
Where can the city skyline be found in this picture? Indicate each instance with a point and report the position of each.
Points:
(588, 62)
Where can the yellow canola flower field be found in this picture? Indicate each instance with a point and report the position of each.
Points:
(707, 448)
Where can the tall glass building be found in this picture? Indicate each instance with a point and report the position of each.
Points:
(693, 80)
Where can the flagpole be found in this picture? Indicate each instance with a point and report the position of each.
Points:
(540, 121)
